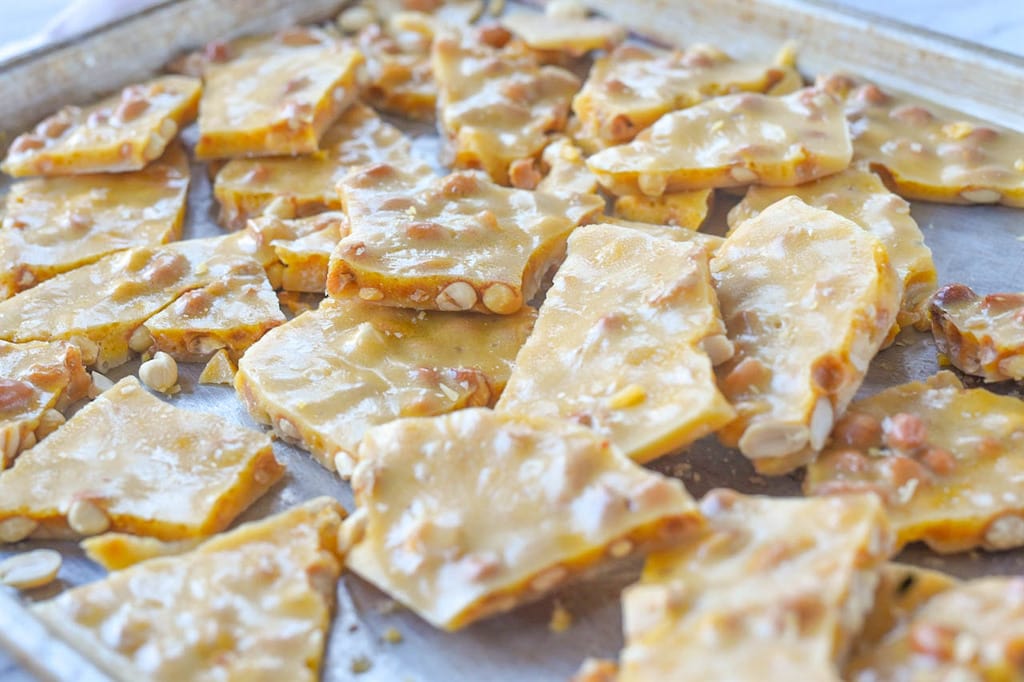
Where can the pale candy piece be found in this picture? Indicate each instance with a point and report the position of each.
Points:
(631, 88)
(399, 79)
(710, 242)
(570, 501)
(232, 312)
(930, 153)
(106, 302)
(454, 243)
(35, 377)
(307, 185)
(731, 141)
(52, 225)
(683, 209)
(251, 604)
(573, 35)
(567, 170)
(131, 462)
(804, 333)
(121, 133)
(860, 195)
(219, 370)
(31, 569)
(946, 460)
(979, 335)
(970, 631)
(496, 106)
(326, 377)
(776, 589)
(622, 344)
(277, 104)
(115, 551)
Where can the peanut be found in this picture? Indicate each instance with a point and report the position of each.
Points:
(85, 518)
(31, 569)
(159, 373)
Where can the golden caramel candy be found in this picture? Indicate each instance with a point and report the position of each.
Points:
(496, 106)
(305, 185)
(970, 631)
(219, 370)
(860, 195)
(574, 36)
(52, 225)
(625, 344)
(732, 141)
(776, 589)
(277, 104)
(115, 551)
(326, 377)
(426, 487)
(251, 604)
(684, 209)
(130, 462)
(945, 459)
(302, 248)
(399, 79)
(567, 171)
(631, 88)
(808, 298)
(929, 153)
(983, 336)
(454, 243)
(121, 133)
(36, 380)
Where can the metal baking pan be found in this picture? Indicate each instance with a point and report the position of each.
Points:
(981, 246)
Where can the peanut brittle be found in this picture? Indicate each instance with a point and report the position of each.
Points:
(625, 344)
(324, 378)
(945, 459)
(860, 195)
(454, 243)
(674, 233)
(252, 604)
(630, 89)
(399, 79)
(231, 312)
(776, 589)
(52, 225)
(302, 248)
(305, 185)
(929, 153)
(38, 380)
(121, 133)
(275, 105)
(684, 209)
(130, 462)
(115, 551)
(574, 36)
(808, 298)
(496, 106)
(730, 142)
(261, 45)
(972, 631)
(567, 171)
(426, 488)
(979, 335)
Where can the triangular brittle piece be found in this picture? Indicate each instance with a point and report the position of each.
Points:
(980, 335)
(52, 225)
(732, 141)
(326, 377)
(776, 589)
(631, 88)
(469, 514)
(130, 462)
(808, 298)
(454, 243)
(860, 195)
(252, 604)
(947, 461)
(625, 344)
(121, 133)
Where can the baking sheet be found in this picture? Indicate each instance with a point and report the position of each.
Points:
(980, 246)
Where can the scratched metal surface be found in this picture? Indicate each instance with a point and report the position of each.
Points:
(980, 246)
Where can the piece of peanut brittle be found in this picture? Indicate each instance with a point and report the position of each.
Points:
(326, 377)
(426, 489)
(980, 335)
(683, 209)
(574, 36)
(130, 462)
(399, 79)
(52, 225)
(944, 458)
(775, 589)
(260, 45)
(808, 298)
(124, 132)
(625, 344)
(454, 243)
(567, 171)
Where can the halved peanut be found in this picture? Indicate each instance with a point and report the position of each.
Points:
(31, 569)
